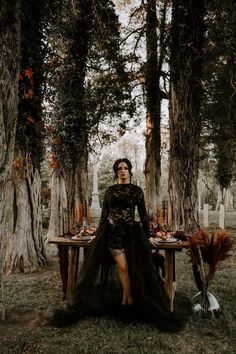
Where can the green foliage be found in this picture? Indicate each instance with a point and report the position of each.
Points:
(89, 84)
(219, 104)
(71, 32)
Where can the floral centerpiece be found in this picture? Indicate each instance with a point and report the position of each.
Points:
(207, 250)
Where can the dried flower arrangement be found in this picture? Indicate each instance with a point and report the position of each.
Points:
(206, 251)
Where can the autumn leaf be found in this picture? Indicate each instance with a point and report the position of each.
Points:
(29, 94)
(50, 129)
(29, 74)
(54, 162)
(51, 63)
(30, 120)
(57, 141)
(16, 163)
(53, 157)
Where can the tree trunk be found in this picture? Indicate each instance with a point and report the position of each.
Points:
(71, 118)
(71, 121)
(76, 186)
(58, 223)
(68, 190)
(9, 73)
(24, 250)
(186, 74)
(153, 104)
(222, 197)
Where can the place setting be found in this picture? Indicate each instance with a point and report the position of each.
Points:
(163, 234)
(81, 233)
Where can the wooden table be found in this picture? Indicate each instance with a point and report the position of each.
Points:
(170, 274)
(74, 246)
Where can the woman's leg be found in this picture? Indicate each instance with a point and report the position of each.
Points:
(122, 265)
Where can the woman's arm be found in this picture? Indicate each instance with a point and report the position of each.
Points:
(105, 209)
(143, 213)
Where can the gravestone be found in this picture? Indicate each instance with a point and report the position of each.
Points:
(206, 215)
(95, 205)
(222, 216)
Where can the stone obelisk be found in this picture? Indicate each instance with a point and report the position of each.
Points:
(95, 205)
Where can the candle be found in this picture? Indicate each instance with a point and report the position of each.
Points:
(89, 216)
(156, 215)
(160, 216)
(81, 213)
(167, 216)
(76, 214)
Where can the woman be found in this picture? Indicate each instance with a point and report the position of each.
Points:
(124, 242)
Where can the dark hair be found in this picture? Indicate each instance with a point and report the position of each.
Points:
(116, 164)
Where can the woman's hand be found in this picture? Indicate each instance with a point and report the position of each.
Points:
(152, 241)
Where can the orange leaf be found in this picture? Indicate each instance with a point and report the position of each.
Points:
(50, 129)
(54, 162)
(53, 157)
(53, 165)
(29, 74)
(29, 94)
(57, 141)
(16, 163)
(30, 120)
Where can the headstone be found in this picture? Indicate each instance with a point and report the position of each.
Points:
(199, 201)
(222, 216)
(206, 215)
(95, 205)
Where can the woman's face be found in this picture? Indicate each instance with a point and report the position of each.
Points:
(123, 173)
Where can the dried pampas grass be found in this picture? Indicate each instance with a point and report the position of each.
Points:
(206, 251)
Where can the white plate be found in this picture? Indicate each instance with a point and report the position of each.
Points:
(169, 240)
(82, 238)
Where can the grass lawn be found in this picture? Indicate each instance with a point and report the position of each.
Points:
(31, 298)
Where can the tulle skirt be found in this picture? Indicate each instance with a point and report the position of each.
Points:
(98, 291)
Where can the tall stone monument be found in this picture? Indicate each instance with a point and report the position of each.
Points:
(206, 215)
(222, 216)
(95, 205)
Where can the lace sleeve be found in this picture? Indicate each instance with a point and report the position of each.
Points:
(105, 209)
(143, 213)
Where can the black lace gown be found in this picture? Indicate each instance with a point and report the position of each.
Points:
(98, 290)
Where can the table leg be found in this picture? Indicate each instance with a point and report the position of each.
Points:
(72, 273)
(85, 251)
(63, 261)
(170, 275)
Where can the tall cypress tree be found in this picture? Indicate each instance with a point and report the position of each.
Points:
(185, 124)
(219, 99)
(155, 49)
(91, 90)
